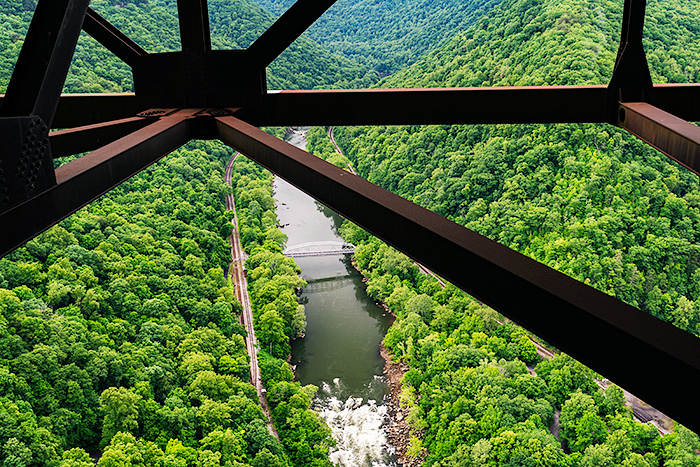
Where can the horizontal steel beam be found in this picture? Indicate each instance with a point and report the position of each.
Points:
(681, 100)
(88, 138)
(637, 351)
(112, 38)
(671, 135)
(532, 104)
(86, 109)
(84, 179)
(546, 104)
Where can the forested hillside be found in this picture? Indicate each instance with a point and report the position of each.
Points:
(153, 25)
(588, 200)
(389, 35)
(118, 329)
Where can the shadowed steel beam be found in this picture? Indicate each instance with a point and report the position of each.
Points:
(193, 16)
(637, 351)
(678, 139)
(44, 60)
(631, 73)
(286, 30)
(84, 179)
(88, 138)
(86, 109)
(681, 100)
(535, 104)
(112, 38)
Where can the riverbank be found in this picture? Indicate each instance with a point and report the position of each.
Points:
(396, 426)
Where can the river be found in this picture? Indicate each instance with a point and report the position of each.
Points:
(340, 352)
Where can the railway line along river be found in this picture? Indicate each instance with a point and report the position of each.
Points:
(340, 352)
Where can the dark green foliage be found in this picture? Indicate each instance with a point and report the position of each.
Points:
(389, 35)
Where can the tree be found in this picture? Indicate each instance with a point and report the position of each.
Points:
(120, 406)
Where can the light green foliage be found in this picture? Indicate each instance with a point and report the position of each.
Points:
(121, 413)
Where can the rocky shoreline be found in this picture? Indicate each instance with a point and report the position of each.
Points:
(396, 426)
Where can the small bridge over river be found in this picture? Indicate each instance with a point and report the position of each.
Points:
(327, 248)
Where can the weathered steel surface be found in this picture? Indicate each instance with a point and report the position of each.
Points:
(87, 138)
(633, 349)
(669, 134)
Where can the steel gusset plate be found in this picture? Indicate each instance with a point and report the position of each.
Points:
(643, 354)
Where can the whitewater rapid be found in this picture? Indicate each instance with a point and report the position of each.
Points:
(357, 426)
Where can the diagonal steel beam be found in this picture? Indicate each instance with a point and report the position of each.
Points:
(88, 138)
(112, 38)
(193, 16)
(43, 62)
(634, 349)
(677, 138)
(286, 30)
(530, 104)
(84, 179)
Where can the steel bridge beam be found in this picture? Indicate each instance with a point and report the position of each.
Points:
(193, 16)
(42, 66)
(88, 138)
(635, 350)
(84, 179)
(284, 31)
(669, 134)
(112, 38)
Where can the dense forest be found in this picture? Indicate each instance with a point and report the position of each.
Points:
(389, 35)
(118, 329)
(588, 200)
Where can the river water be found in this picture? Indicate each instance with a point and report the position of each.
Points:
(340, 352)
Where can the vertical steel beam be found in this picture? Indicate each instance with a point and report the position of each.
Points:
(631, 79)
(193, 16)
(112, 38)
(286, 30)
(43, 63)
